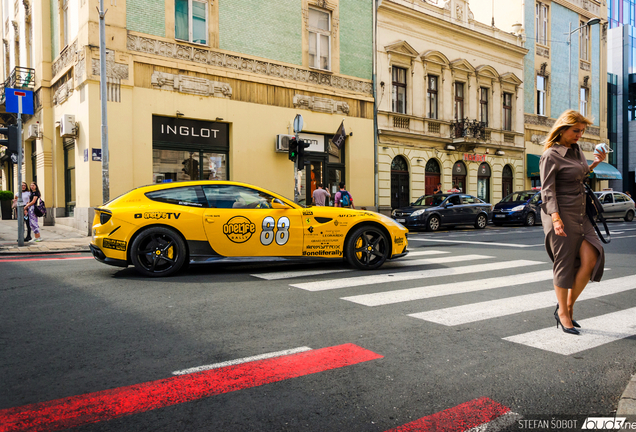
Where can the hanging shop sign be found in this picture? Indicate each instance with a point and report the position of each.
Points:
(178, 130)
(474, 157)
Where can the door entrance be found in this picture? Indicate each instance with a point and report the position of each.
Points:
(399, 183)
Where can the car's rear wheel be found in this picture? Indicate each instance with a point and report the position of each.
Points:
(367, 248)
(530, 220)
(158, 251)
(481, 221)
(433, 223)
(629, 216)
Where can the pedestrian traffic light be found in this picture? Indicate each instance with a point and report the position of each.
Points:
(293, 149)
(12, 142)
(302, 145)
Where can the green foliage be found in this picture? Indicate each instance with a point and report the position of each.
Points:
(6, 195)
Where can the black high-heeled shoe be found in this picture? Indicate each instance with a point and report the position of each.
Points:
(570, 330)
(556, 313)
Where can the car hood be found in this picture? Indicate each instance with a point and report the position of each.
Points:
(411, 209)
(509, 205)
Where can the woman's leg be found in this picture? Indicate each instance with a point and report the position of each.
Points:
(562, 298)
(28, 225)
(588, 255)
(33, 220)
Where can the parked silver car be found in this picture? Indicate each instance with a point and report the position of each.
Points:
(616, 205)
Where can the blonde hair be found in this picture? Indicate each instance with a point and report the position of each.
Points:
(566, 120)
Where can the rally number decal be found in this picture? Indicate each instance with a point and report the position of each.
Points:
(282, 231)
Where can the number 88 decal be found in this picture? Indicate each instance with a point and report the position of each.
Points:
(282, 232)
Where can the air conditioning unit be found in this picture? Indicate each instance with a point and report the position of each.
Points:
(67, 125)
(32, 132)
(282, 143)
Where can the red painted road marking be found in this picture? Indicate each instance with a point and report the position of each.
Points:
(458, 419)
(43, 259)
(109, 404)
(52, 255)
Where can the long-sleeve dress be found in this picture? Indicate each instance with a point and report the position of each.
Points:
(563, 171)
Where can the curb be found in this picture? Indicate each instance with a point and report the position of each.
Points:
(82, 249)
(627, 403)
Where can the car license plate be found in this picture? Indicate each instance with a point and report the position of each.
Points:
(500, 215)
(401, 220)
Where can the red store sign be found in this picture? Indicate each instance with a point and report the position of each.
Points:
(474, 157)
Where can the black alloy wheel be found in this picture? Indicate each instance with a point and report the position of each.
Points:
(629, 216)
(433, 223)
(158, 251)
(367, 248)
(530, 220)
(481, 221)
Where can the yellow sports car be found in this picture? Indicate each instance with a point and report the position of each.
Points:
(159, 228)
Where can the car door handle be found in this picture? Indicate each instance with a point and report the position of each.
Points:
(209, 219)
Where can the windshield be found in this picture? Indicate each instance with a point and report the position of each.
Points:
(430, 200)
(519, 196)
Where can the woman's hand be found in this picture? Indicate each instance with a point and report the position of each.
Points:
(598, 158)
(557, 223)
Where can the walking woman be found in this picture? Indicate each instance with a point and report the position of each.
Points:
(30, 207)
(570, 239)
(26, 198)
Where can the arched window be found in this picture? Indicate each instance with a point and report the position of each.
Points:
(400, 190)
(432, 176)
(507, 178)
(483, 182)
(459, 176)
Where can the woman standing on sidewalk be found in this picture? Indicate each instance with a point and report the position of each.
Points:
(26, 198)
(30, 207)
(570, 239)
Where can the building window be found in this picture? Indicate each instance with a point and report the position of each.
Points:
(319, 27)
(583, 101)
(584, 42)
(399, 90)
(507, 111)
(432, 97)
(541, 23)
(190, 21)
(541, 95)
(459, 101)
(483, 104)
(65, 23)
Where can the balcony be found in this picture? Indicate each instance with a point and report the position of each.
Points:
(467, 134)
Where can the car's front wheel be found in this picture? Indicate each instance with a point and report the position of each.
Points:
(629, 216)
(433, 223)
(481, 221)
(530, 220)
(367, 248)
(158, 251)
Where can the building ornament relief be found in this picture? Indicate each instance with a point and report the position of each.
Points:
(27, 10)
(66, 59)
(113, 70)
(533, 119)
(236, 62)
(16, 30)
(543, 52)
(320, 104)
(190, 85)
(63, 92)
(585, 65)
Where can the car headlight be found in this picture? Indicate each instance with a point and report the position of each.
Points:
(418, 212)
(393, 212)
(518, 208)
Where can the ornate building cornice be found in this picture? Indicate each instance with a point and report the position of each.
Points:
(238, 63)
(66, 58)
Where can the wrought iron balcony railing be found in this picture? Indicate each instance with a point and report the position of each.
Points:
(21, 77)
(468, 129)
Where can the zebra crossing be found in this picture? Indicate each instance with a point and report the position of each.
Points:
(595, 331)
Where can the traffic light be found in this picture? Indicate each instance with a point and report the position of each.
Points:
(293, 149)
(12, 142)
(302, 145)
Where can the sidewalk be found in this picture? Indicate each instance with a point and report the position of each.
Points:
(56, 239)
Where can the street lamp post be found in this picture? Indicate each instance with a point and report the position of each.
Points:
(587, 24)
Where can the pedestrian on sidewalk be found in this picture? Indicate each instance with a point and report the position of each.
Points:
(26, 197)
(570, 240)
(343, 198)
(30, 207)
(321, 195)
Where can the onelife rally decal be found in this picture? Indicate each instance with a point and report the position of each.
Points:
(323, 250)
(239, 229)
(114, 244)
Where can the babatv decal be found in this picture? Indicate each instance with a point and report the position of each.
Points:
(281, 234)
(161, 215)
(239, 229)
(398, 240)
(114, 244)
(138, 215)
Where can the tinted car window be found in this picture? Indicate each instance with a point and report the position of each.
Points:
(430, 200)
(536, 198)
(607, 199)
(454, 200)
(519, 196)
(468, 199)
(231, 196)
(620, 198)
(187, 196)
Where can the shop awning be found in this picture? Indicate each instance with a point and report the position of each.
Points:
(605, 171)
(532, 165)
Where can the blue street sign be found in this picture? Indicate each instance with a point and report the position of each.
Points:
(17, 98)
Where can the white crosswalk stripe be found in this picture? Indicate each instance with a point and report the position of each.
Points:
(512, 305)
(423, 292)
(411, 275)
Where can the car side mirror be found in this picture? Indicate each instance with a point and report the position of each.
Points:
(448, 205)
(278, 204)
(412, 204)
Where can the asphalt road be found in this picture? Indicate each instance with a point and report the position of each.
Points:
(370, 351)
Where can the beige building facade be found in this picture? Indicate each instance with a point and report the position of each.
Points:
(450, 103)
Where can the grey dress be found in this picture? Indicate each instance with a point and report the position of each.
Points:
(563, 171)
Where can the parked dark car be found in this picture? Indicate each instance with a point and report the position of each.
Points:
(518, 207)
(616, 205)
(431, 212)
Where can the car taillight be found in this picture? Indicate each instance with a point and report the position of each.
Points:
(104, 218)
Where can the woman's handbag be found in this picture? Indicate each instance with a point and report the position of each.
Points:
(40, 208)
(594, 210)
